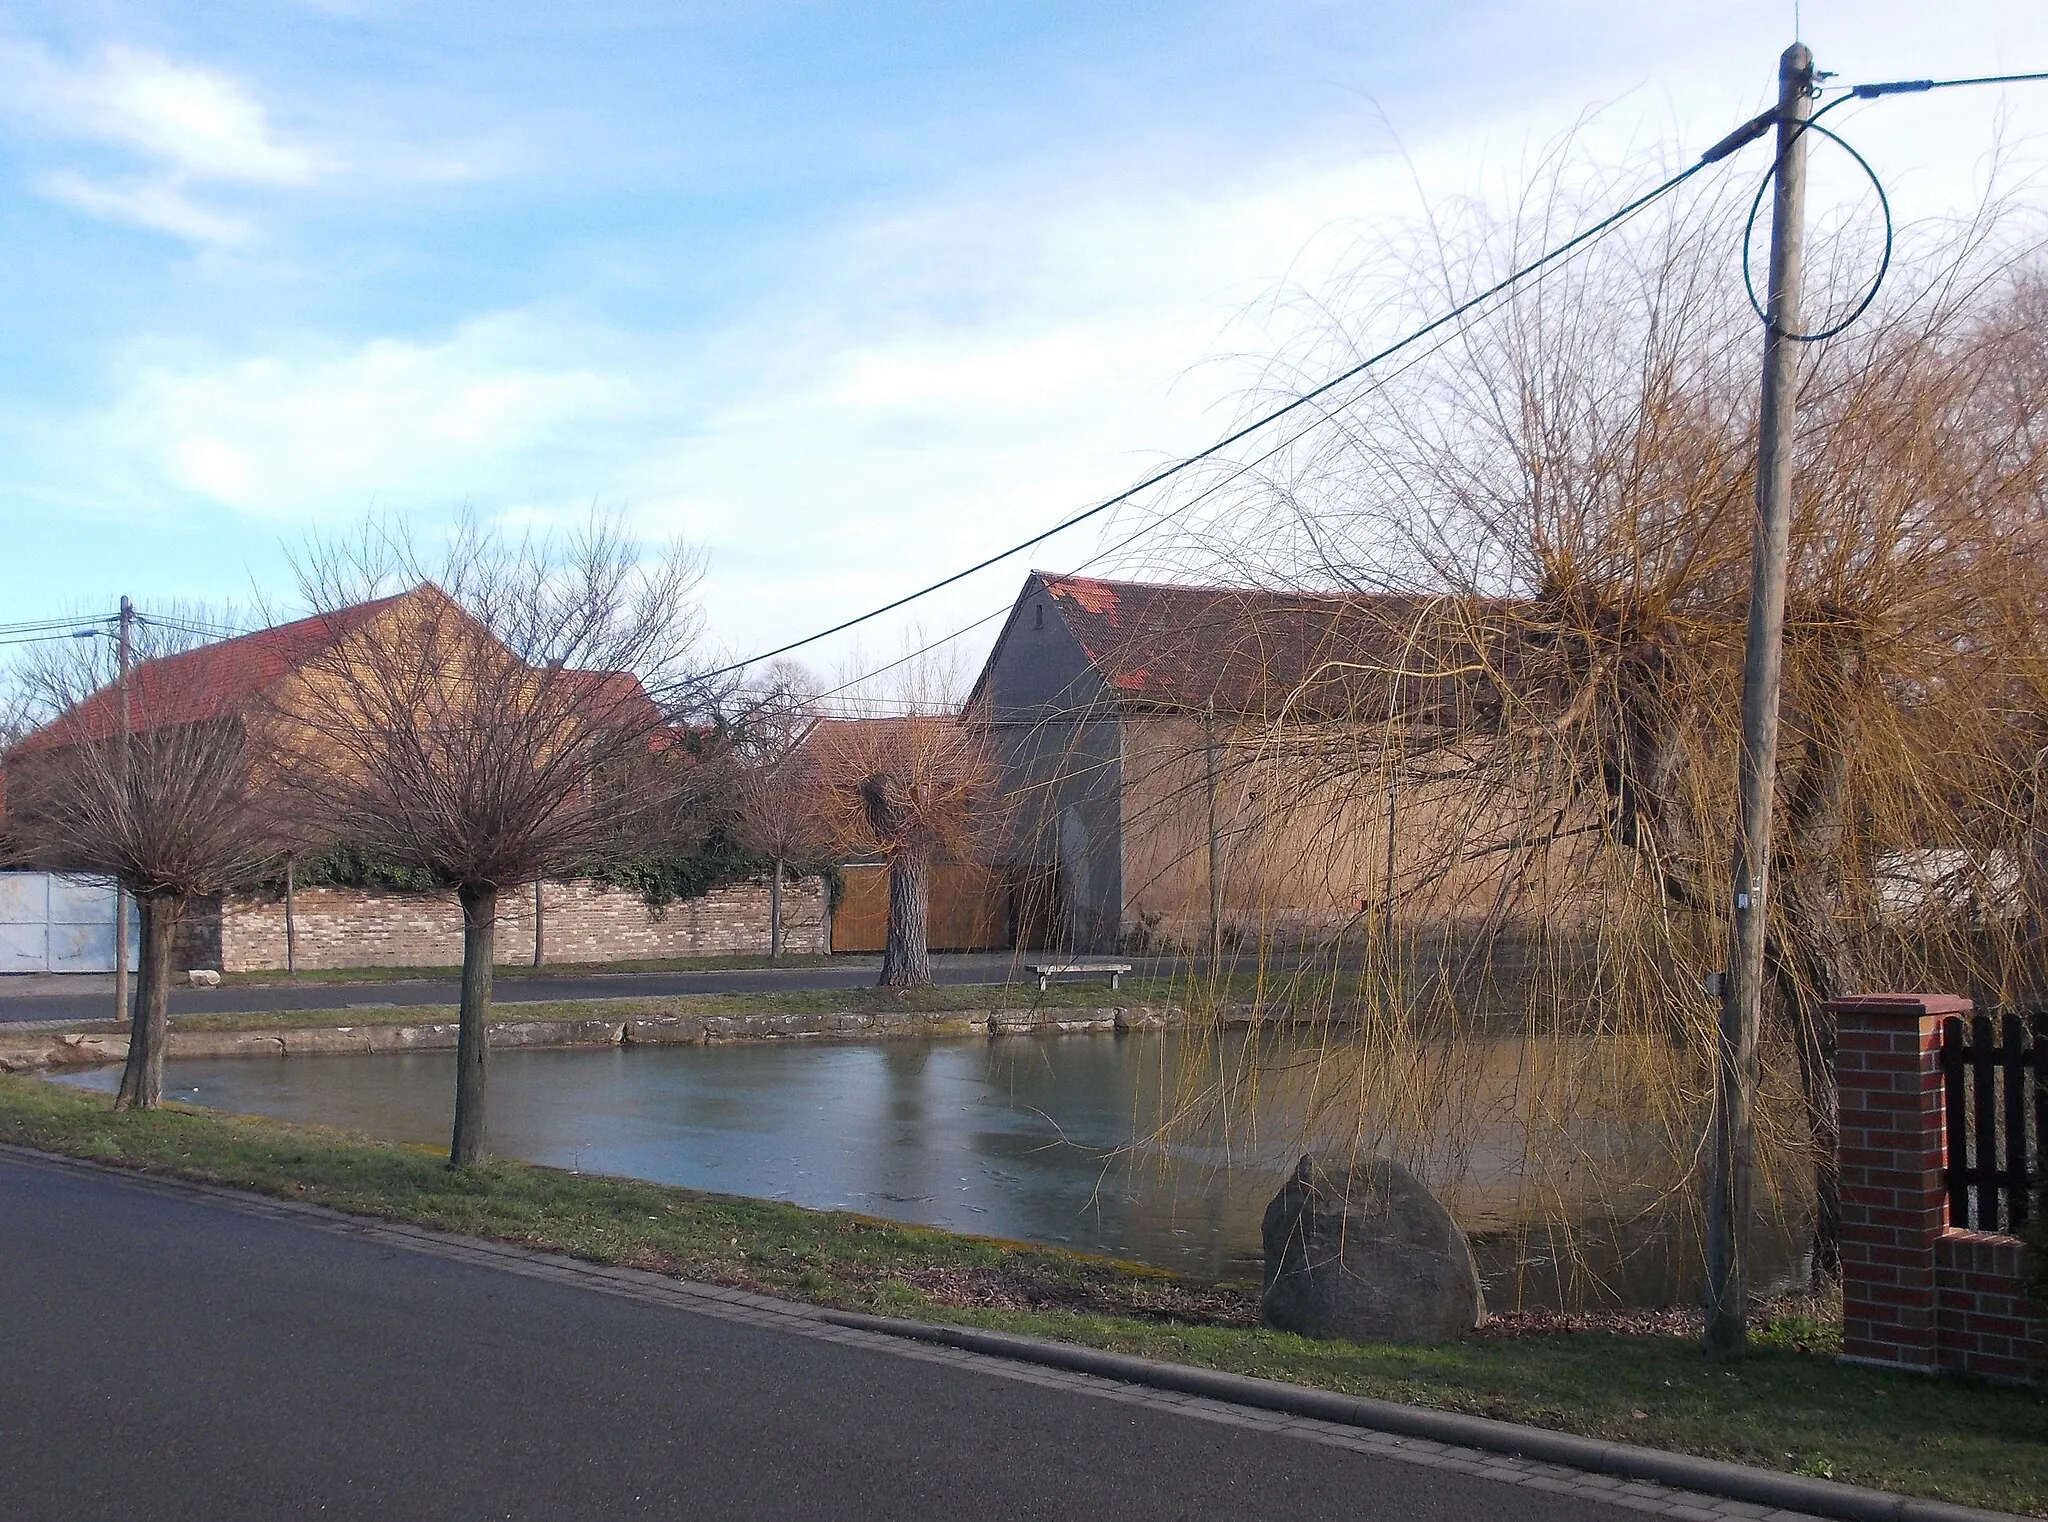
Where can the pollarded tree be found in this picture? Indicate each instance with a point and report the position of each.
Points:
(911, 790)
(514, 712)
(1571, 491)
(146, 781)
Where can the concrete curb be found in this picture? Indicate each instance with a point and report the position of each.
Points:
(1715, 1477)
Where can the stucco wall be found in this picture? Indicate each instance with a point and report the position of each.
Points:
(581, 922)
(1302, 831)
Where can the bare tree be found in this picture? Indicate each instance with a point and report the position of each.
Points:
(511, 712)
(1564, 487)
(778, 819)
(151, 787)
(910, 789)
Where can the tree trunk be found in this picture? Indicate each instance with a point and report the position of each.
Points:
(775, 912)
(142, 1079)
(473, 1045)
(1808, 957)
(907, 957)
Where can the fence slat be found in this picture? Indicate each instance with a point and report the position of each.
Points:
(2012, 1062)
(1958, 1113)
(2038, 1060)
(1984, 1121)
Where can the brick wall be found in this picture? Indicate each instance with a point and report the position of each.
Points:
(580, 922)
(1986, 1322)
(1916, 1293)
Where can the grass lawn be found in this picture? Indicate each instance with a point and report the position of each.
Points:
(1790, 1406)
(937, 999)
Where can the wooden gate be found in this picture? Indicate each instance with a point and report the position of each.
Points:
(970, 908)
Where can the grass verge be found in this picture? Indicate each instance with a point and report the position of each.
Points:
(1789, 1407)
(936, 999)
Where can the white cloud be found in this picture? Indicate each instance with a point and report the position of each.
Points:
(199, 123)
(499, 412)
(194, 129)
(155, 204)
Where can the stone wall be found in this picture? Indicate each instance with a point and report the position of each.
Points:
(580, 922)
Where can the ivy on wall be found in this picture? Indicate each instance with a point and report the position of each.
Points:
(662, 878)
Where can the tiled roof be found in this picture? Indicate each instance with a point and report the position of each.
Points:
(1247, 650)
(612, 694)
(209, 682)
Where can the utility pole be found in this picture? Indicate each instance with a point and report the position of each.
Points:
(122, 649)
(1733, 1152)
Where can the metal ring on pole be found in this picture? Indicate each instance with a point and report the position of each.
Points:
(1756, 207)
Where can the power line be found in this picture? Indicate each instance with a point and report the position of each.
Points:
(1241, 469)
(1921, 86)
(1605, 224)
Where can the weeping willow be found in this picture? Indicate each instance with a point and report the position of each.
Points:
(1477, 807)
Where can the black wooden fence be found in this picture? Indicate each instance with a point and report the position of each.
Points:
(1995, 1073)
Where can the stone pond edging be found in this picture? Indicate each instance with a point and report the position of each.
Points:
(69, 1049)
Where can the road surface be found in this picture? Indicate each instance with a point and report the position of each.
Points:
(171, 1356)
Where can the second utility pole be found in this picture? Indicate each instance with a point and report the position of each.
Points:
(1732, 1160)
(122, 650)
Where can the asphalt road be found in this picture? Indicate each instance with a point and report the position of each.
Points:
(165, 1356)
(47, 998)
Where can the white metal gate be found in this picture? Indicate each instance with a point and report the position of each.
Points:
(51, 922)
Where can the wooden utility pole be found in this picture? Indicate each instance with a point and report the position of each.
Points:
(1733, 1151)
(1215, 844)
(122, 649)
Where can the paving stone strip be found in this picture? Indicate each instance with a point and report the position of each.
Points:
(1640, 1479)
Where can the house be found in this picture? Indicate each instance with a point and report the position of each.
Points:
(1159, 743)
(280, 681)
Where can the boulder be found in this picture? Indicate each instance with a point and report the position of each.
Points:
(202, 977)
(1359, 1249)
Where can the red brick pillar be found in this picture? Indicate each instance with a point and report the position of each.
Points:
(1892, 1155)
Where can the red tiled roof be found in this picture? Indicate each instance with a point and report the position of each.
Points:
(209, 682)
(1242, 649)
(609, 699)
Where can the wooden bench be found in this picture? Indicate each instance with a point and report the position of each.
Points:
(1047, 971)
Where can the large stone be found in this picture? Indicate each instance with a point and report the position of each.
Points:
(1358, 1249)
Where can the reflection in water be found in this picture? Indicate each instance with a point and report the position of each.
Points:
(1029, 1139)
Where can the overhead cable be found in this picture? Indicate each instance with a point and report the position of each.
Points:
(1464, 308)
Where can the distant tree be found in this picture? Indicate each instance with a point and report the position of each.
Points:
(778, 818)
(120, 785)
(910, 790)
(774, 797)
(518, 710)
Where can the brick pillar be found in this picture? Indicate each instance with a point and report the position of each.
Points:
(1893, 1152)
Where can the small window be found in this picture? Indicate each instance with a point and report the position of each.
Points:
(1038, 615)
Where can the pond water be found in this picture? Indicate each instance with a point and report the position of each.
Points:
(1024, 1138)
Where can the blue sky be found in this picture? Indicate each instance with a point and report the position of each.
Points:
(849, 294)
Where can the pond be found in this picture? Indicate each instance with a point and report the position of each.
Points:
(1024, 1138)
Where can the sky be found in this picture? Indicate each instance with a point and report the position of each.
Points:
(849, 295)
